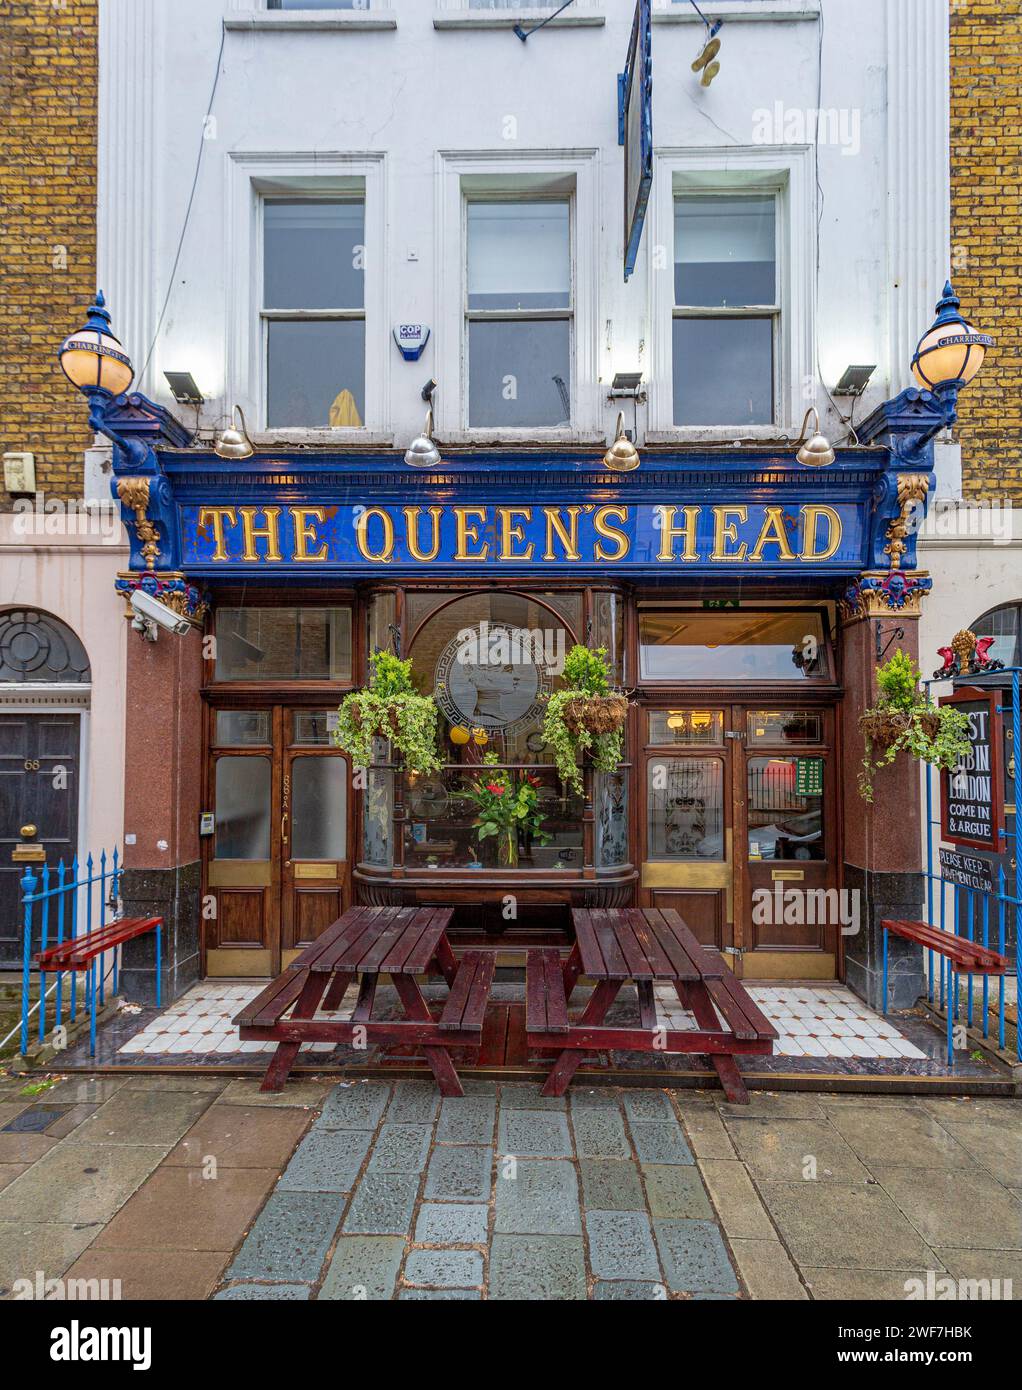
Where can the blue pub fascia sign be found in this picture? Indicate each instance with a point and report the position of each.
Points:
(348, 515)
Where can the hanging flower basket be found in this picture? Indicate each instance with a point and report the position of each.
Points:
(904, 719)
(884, 727)
(596, 714)
(380, 724)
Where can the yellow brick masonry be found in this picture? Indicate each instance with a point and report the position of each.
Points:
(48, 76)
(986, 233)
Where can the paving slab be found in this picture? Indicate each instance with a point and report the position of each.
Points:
(429, 1295)
(861, 1285)
(290, 1238)
(359, 1105)
(736, 1200)
(35, 1118)
(621, 1245)
(134, 1116)
(767, 1271)
(628, 1291)
(79, 1182)
(85, 1090)
(533, 1133)
(382, 1204)
(27, 1247)
(73, 1116)
(647, 1105)
(775, 1105)
(299, 1093)
(467, 1120)
(459, 1174)
(600, 1133)
(611, 1184)
(258, 1293)
(445, 1269)
(414, 1103)
(593, 1097)
(24, 1148)
(706, 1131)
(363, 1267)
(660, 1143)
(786, 1150)
(400, 1148)
(526, 1095)
(540, 1198)
(452, 1223)
(178, 1081)
(178, 1275)
(676, 1190)
(9, 1171)
(899, 1136)
(178, 1209)
(993, 1145)
(694, 1257)
(327, 1160)
(971, 1211)
(241, 1136)
(858, 1226)
(537, 1268)
(970, 1109)
(1000, 1265)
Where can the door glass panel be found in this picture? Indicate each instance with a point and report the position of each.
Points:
(378, 816)
(319, 808)
(241, 728)
(243, 808)
(691, 728)
(754, 645)
(314, 726)
(685, 809)
(289, 644)
(773, 728)
(784, 824)
(611, 819)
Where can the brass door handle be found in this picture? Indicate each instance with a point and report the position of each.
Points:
(283, 828)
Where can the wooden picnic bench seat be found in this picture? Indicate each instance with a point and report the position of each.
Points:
(81, 952)
(546, 1007)
(467, 1000)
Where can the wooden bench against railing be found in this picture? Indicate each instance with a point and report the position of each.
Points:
(81, 953)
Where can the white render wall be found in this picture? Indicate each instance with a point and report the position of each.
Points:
(440, 90)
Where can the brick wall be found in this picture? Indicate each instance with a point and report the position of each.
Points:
(48, 76)
(986, 234)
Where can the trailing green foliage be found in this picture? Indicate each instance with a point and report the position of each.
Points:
(904, 718)
(389, 707)
(586, 677)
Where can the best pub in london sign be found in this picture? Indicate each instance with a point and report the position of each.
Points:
(650, 536)
(972, 797)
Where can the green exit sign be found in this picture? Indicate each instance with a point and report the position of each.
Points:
(721, 603)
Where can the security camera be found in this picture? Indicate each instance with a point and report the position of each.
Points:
(149, 612)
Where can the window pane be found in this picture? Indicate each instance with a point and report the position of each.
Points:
(314, 726)
(609, 631)
(519, 373)
(675, 645)
(313, 254)
(237, 728)
(691, 728)
(319, 4)
(782, 824)
(243, 808)
(724, 254)
(518, 256)
(1003, 626)
(258, 644)
(315, 373)
(377, 816)
(319, 808)
(723, 371)
(775, 727)
(611, 819)
(685, 809)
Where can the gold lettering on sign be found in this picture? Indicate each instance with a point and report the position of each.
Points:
(509, 533)
(669, 532)
(725, 530)
(412, 533)
(773, 533)
(268, 532)
(385, 555)
(305, 532)
(610, 533)
(567, 535)
(811, 517)
(466, 533)
(215, 517)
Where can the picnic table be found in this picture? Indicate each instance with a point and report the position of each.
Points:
(363, 944)
(616, 945)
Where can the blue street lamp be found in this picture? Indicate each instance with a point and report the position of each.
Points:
(94, 360)
(949, 354)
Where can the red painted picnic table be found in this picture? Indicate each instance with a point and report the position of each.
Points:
(616, 945)
(367, 942)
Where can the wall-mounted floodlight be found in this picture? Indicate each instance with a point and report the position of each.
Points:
(854, 380)
(183, 388)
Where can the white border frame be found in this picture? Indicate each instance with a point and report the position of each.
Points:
(244, 375)
(789, 170)
(450, 345)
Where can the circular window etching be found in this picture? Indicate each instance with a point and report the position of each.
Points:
(35, 647)
(476, 687)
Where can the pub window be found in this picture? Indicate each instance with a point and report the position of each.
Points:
(1004, 625)
(727, 315)
(313, 312)
(283, 644)
(685, 809)
(519, 314)
(757, 645)
(785, 819)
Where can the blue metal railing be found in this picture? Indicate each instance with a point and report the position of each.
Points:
(58, 905)
(969, 912)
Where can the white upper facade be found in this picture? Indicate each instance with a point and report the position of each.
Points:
(381, 163)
